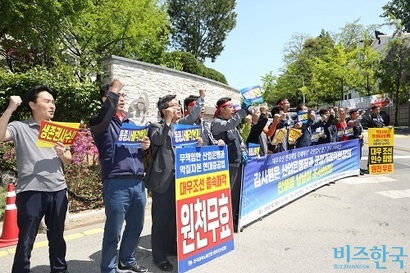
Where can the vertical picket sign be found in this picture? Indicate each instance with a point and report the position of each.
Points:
(203, 204)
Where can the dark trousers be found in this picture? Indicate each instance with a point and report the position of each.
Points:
(235, 176)
(31, 207)
(163, 232)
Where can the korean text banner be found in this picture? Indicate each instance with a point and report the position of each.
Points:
(254, 93)
(52, 132)
(185, 134)
(303, 116)
(203, 204)
(277, 179)
(253, 149)
(381, 144)
(132, 135)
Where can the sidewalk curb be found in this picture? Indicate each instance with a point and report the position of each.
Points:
(87, 217)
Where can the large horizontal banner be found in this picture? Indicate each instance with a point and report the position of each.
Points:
(203, 204)
(381, 100)
(275, 180)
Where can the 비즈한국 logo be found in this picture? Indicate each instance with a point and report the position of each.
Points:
(381, 257)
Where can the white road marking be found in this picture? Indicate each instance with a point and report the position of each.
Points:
(395, 194)
(368, 179)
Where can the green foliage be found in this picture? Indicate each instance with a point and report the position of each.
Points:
(200, 27)
(78, 33)
(400, 9)
(83, 176)
(329, 67)
(136, 29)
(285, 86)
(59, 42)
(215, 75)
(7, 157)
(30, 31)
(355, 34)
(172, 60)
(74, 99)
(394, 72)
(270, 87)
(189, 64)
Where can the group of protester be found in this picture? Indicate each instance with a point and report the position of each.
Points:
(328, 125)
(41, 188)
(42, 191)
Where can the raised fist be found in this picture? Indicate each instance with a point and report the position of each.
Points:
(14, 102)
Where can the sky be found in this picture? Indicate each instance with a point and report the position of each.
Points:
(255, 46)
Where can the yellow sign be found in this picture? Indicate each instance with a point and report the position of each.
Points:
(381, 143)
(279, 136)
(294, 134)
(52, 132)
(193, 186)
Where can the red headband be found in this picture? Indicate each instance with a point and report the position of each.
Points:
(218, 110)
(192, 103)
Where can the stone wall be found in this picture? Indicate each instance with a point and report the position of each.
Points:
(145, 83)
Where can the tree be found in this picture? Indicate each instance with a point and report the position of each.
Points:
(299, 55)
(278, 87)
(79, 33)
(75, 100)
(355, 34)
(395, 72)
(333, 74)
(201, 26)
(136, 29)
(368, 62)
(328, 66)
(30, 31)
(400, 9)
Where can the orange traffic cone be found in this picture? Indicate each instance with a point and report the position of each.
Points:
(10, 232)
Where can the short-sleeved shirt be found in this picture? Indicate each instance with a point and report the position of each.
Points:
(39, 169)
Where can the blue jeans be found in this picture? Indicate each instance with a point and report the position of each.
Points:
(124, 199)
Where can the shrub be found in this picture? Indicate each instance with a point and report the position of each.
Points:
(7, 167)
(215, 75)
(83, 175)
(3, 194)
(74, 99)
(190, 64)
(7, 158)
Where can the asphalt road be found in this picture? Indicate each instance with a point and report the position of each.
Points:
(368, 214)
